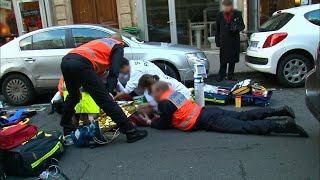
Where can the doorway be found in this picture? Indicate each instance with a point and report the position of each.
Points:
(30, 15)
(173, 21)
(95, 12)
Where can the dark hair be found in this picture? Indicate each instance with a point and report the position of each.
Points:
(227, 2)
(147, 80)
(124, 62)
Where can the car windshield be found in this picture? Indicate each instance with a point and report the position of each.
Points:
(276, 22)
(127, 35)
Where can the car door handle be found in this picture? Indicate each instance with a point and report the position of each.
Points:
(30, 60)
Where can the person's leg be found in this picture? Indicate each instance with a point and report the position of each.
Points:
(251, 115)
(260, 113)
(215, 121)
(231, 76)
(100, 95)
(222, 71)
(227, 124)
(68, 68)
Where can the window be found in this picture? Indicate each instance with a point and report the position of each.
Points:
(54, 39)
(276, 22)
(313, 17)
(82, 35)
(25, 44)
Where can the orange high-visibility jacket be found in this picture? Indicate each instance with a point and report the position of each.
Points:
(60, 86)
(98, 52)
(187, 113)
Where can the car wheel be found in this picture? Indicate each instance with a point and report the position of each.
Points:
(18, 90)
(168, 70)
(292, 70)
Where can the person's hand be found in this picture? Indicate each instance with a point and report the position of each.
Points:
(146, 119)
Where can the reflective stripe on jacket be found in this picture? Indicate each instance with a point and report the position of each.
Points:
(187, 112)
(98, 52)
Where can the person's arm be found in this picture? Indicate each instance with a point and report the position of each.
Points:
(131, 85)
(242, 26)
(239, 24)
(115, 58)
(166, 109)
(217, 33)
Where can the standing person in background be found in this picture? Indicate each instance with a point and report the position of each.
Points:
(229, 24)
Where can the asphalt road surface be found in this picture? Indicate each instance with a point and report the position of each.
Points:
(175, 155)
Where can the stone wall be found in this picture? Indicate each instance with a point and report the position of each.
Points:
(62, 12)
(126, 13)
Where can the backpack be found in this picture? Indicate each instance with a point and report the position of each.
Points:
(88, 136)
(35, 155)
(15, 135)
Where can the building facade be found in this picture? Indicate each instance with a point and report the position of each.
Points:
(175, 21)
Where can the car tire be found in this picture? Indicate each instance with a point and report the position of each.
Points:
(168, 70)
(292, 70)
(18, 90)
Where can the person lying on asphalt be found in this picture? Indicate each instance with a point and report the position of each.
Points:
(147, 80)
(82, 66)
(130, 73)
(178, 112)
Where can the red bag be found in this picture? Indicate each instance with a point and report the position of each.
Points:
(13, 136)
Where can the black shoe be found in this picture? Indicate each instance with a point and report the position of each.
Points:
(67, 131)
(136, 135)
(232, 78)
(285, 111)
(220, 79)
(288, 127)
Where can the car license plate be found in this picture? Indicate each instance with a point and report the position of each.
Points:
(254, 44)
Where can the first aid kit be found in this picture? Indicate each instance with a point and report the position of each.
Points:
(15, 135)
(34, 155)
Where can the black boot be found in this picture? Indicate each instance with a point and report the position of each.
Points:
(288, 127)
(136, 135)
(132, 133)
(285, 111)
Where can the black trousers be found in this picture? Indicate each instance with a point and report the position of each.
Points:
(78, 71)
(247, 122)
(223, 69)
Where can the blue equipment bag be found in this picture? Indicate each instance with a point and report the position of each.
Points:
(219, 99)
(88, 136)
(249, 99)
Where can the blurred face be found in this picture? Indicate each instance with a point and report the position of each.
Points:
(156, 94)
(227, 9)
(125, 69)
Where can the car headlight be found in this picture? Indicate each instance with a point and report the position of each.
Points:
(195, 58)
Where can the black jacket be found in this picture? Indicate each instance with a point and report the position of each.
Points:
(228, 36)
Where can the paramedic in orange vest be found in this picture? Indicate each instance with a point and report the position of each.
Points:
(178, 112)
(82, 67)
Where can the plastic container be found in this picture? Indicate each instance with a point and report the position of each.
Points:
(238, 101)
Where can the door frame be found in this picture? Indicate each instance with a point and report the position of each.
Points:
(143, 22)
(18, 14)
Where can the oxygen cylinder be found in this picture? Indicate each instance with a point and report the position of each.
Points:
(199, 73)
(199, 91)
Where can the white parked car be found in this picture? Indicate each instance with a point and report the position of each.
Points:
(286, 44)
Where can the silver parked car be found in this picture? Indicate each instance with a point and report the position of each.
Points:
(30, 64)
(313, 88)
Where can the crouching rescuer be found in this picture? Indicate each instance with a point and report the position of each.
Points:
(178, 112)
(82, 67)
